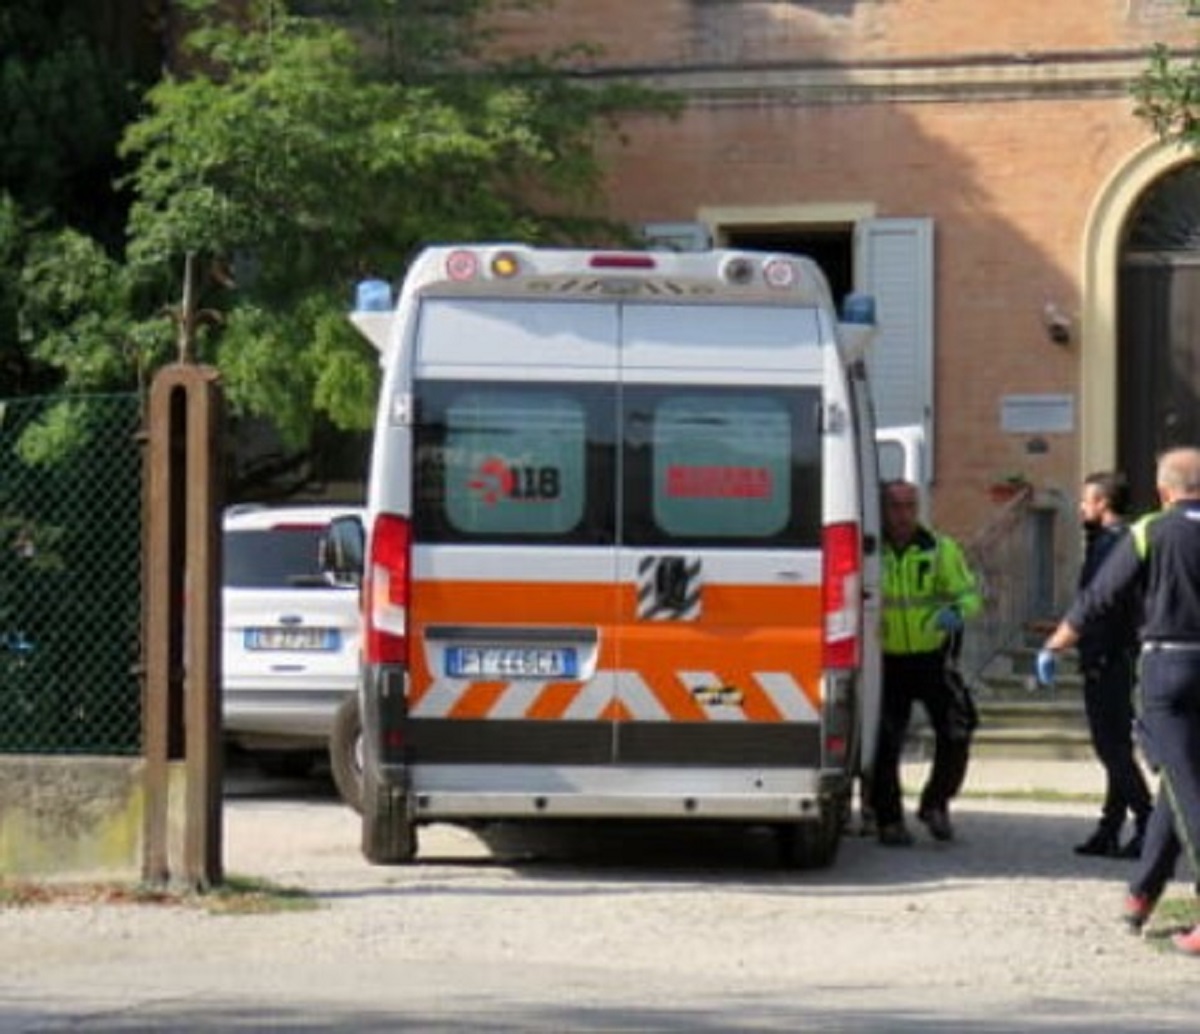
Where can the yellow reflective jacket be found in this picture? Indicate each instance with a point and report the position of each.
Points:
(919, 580)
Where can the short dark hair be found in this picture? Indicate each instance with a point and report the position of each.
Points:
(1113, 486)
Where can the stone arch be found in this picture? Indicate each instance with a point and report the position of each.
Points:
(1103, 237)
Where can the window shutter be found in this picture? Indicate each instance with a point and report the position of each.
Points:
(894, 262)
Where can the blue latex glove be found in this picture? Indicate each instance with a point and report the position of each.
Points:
(1046, 667)
(948, 619)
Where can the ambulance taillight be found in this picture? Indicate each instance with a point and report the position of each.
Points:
(386, 586)
(841, 592)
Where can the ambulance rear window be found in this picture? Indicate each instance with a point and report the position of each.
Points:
(722, 466)
(506, 461)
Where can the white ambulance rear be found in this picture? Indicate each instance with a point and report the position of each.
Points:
(621, 546)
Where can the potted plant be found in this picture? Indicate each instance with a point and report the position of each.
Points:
(1008, 486)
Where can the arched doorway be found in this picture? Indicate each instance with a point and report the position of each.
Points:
(1158, 327)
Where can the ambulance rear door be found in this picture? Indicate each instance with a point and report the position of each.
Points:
(719, 651)
(514, 565)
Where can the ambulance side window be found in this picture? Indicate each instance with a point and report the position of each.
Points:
(722, 466)
(513, 462)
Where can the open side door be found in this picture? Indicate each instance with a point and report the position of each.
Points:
(902, 455)
(889, 453)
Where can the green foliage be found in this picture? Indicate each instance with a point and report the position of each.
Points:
(1167, 96)
(292, 151)
(64, 98)
(301, 159)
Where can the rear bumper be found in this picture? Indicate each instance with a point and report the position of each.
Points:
(462, 792)
(253, 717)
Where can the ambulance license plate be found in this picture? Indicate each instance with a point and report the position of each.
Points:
(508, 662)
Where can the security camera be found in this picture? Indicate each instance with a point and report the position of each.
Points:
(1058, 324)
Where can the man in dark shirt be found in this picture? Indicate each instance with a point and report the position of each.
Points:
(1107, 656)
(1158, 562)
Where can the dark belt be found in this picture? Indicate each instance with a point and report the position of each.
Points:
(1154, 645)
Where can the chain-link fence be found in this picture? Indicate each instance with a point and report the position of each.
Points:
(70, 575)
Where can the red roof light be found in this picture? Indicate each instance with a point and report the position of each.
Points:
(622, 262)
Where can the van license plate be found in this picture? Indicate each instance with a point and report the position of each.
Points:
(504, 662)
(306, 639)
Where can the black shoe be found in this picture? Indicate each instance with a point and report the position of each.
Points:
(938, 822)
(1101, 844)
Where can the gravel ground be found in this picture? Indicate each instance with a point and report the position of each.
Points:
(617, 929)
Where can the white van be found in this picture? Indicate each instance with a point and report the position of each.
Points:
(621, 545)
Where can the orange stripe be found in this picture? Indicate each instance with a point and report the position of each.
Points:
(477, 700)
(438, 600)
(514, 603)
(675, 698)
(615, 711)
(554, 700)
(741, 630)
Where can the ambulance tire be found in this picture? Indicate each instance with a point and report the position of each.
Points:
(345, 753)
(811, 845)
(389, 836)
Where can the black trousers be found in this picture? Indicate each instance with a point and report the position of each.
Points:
(1169, 714)
(907, 679)
(1108, 701)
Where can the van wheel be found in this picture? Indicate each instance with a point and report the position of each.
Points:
(811, 845)
(389, 836)
(346, 753)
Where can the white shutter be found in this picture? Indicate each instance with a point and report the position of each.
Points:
(893, 261)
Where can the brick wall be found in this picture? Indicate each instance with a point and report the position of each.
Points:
(1001, 129)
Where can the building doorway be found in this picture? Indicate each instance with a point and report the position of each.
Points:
(1158, 345)
(831, 248)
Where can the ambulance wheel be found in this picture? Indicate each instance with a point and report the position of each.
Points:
(346, 752)
(810, 845)
(389, 836)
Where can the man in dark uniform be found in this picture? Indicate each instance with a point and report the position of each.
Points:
(1160, 562)
(1107, 655)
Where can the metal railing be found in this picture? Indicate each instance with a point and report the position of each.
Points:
(1009, 556)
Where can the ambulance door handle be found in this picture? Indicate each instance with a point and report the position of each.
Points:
(789, 575)
(671, 582)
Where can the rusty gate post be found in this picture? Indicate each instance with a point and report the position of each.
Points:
(182, 623)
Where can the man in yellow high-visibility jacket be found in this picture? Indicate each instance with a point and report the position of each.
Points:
(928, 592)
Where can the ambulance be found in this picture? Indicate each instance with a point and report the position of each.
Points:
(620, 558)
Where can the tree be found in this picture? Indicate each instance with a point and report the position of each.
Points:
(1167, 93)
(67, 90)
(298, 155)
(291, 153)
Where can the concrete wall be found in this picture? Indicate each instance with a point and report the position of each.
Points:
(77, 818)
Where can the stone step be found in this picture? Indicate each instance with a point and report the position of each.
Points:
(1022, 742)
(1017, 718)
(1050, 714)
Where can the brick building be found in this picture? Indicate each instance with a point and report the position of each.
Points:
(978, 166)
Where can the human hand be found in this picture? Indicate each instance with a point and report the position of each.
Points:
(1046, 667)
(948, 619)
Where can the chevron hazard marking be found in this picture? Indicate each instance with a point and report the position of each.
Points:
(787, 695)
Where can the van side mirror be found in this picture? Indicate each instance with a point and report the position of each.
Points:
(342, 551)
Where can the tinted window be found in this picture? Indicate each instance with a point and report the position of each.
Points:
(722, 466)
(513, 462)
(272, 558)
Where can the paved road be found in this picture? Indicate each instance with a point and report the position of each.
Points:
(616, 930)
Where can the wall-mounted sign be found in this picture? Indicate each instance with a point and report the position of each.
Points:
(1037, 414)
